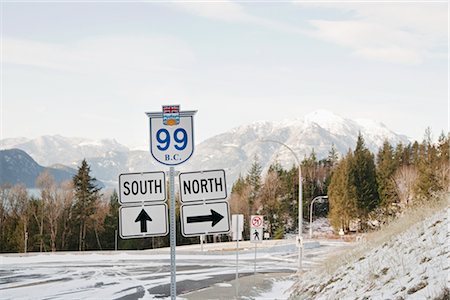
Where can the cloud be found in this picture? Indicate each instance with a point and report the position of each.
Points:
(115, 54)
(370, 40)
(224, 10)
(406, 33)
(230, 12)
(394, 32)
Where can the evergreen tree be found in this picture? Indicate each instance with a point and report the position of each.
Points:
(443, 162)
(386, 167)
(254, 180)
(342, 195)
(86, 196)
(111, 222)
(363, 177)
(427, 163)
(333, 157)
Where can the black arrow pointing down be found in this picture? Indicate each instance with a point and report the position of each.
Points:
(143, 217)
(215, 217)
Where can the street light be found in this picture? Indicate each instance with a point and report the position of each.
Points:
(300, 205)
(311, 212)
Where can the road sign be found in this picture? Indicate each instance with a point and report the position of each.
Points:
(203, 185)
(257, 222)
(256, 235)
(142, 187)
(171, 135)
(143, 221)
(237, 226)
(205, 218)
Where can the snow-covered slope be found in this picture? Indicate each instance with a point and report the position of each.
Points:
(233, 151)
(410, 265)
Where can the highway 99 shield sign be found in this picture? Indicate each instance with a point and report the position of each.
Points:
(171, 135)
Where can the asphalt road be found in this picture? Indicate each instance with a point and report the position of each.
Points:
(146, 274)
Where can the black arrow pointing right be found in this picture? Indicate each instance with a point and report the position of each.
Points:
(215, 217)
(143, 217)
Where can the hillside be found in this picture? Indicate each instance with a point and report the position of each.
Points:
(17, 167)
(403, 261)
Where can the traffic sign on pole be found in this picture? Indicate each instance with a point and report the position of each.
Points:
(257, 221)
(256, 235)
(142, 187)
(171, 135)
(205, 218)
(137, 221)
(203, 185)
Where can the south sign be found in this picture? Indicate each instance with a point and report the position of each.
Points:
(142, 187)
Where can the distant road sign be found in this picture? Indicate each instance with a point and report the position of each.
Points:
(205, 218)
(257, 222)
(171, 135)
(203, 185)
(256, 235)
(142, 187)
(143, 221)
(237, 226)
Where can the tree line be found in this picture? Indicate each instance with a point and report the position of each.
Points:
(362, 187)
(70, 216)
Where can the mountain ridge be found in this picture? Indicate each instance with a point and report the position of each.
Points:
(233, 150)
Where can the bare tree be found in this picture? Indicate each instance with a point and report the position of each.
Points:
(19, 204)
(67, 212)
(405, 179)
(53, 207)
(43, 182)
(269, 200)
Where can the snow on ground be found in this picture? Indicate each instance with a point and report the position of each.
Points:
(411, 265)
(146, 274)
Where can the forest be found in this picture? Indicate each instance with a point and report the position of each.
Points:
(363, 188)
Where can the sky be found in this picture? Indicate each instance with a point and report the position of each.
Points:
(92, 69)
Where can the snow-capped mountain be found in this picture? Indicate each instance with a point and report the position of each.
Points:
(233, 151)
(55, 149)
(318, 131)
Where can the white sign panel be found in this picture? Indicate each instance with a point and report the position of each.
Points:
(203, 185)
(256, 235)
(143, 221)
(257, 222)
(205, 218)
(142, 187)
(172, 138)
(237, 226)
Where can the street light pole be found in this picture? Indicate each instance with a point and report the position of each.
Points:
(311, 213)
(300, 205)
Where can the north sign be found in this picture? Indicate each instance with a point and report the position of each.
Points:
(142, 187)
(203, 185)
(172, 140)
(205, 218)
(143, 221)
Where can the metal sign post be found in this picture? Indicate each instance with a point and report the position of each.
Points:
(256, 233)
(172, 143)
(254, 269)
(173, 236)
(237, 257)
